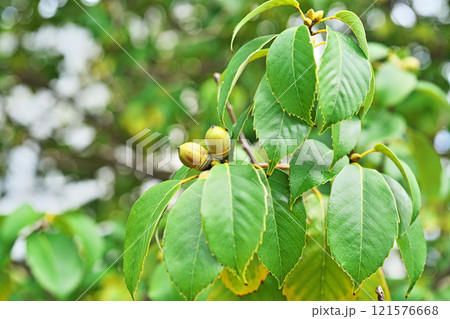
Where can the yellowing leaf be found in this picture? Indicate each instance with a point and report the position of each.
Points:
(255, 273)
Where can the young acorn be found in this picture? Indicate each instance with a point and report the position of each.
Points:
(193, 155)
(314, 16)
(218, 142)
(310, 14)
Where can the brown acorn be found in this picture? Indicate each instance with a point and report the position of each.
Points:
(193, 155)
(218, 142)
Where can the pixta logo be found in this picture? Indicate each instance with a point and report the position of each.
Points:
(147, 151)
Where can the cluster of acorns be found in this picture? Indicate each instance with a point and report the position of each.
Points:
(313, 17)
(194, 155)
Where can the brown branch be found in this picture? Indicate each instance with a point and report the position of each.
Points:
(244, 142)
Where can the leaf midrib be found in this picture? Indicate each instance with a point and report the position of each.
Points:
(232, 219)
(278, 241)
(293, 68)
(362, 212)
(339, 76)
(194, 263)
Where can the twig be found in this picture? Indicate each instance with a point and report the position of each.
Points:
(244, 142)
(279, 166)
(326, 19)
(324, 42)
(301, 13)
(320, 31)
(367, 152)
(189, 178)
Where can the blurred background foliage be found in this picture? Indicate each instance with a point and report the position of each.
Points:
(70, 98)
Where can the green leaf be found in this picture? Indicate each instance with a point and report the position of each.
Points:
(359, 239)
(239, 125)
(255, 273)
(317, 277)
(383, 127)
(234, 208)
(263, 7)
(344, 78)
(404, 204)
(11, 226)
(425, 109)
(355, 24)
(408, 176)
(432, 90)
(161, 289)
(260, 54)
(309, 167)
(369, 97)
(413, 248)
(236, 131)
(279, 133)
(184, 172)
(291, 71)
(188, 258)
(345, 136)
(54, 262)
(378, 51)
(284, 238)
(85, 229)
(141, 226)
(428, 163)
(393, 84)
(316, 209)
(235, 68)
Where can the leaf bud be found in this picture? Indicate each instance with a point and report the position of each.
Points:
(355, 157)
